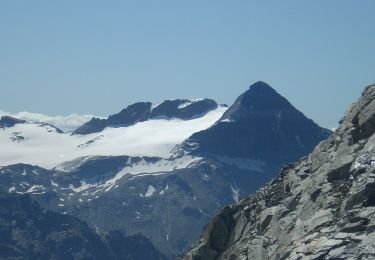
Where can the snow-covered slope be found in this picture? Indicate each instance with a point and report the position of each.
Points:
(39, 145)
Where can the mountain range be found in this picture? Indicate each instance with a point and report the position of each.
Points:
(153, 173)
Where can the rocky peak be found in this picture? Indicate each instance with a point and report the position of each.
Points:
(93, 126)
(362, 115)
(259, 97)
(261, 124)
(184, 109)
(320, 207)
(262, 88)
(134, 113)
(8, 121)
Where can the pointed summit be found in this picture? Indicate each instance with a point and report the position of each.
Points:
(261, 86)
(259, 96)
(260, 125)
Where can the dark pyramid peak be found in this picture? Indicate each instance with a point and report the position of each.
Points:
(259, 96)
(261, 124)
(262, 96)
(261, 87)
(8, 121)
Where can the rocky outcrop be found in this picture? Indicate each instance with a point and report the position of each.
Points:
(8, 121)
(183, 108)
(93, 126)
(321, 207)
(142, 111)
(27, 231)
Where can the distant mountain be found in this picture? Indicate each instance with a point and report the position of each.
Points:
(260, 125)
(8, 121)
(30, 232)
(138, 175)
(142, 111)
(320, 207)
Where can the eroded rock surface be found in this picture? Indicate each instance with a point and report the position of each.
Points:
(321, 207)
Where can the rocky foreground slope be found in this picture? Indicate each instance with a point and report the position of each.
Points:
(321, 207)
(31, 232)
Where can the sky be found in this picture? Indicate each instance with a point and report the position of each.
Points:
(97, 57)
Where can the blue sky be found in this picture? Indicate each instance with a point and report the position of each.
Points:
(63, 57)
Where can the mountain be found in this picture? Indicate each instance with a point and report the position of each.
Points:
(145, 178)
(261, 125)
(46, 146)
(320, 207)
(8, 121)
(142, 111)
(30, 232)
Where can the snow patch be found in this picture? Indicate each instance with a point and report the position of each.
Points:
(186, 104)
(142, 168)
(35, 188)
(235, 193)
(150, 191)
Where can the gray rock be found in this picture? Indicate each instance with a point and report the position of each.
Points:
(31, 232)
(322, 207)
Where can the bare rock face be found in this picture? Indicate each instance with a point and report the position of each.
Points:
(321, 207)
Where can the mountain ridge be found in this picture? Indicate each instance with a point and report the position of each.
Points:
(184, 109)
(320, 207)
